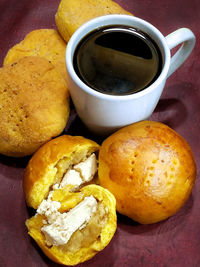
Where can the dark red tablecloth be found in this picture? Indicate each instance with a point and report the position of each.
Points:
(172, 243)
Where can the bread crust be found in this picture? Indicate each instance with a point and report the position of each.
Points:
(40, 173)
(34, 105)
(149, 168)
(63, 256)
(72, 14)
(45, 43)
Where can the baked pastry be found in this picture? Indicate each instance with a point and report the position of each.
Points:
(149, 168)
(56, 159)
(34, 105)
(72, 14)
(74, 219)
(45, 43)
(74, 234)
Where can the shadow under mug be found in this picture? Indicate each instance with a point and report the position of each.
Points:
(103, 113)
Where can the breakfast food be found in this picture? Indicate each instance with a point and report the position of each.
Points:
(34, 105)
(149, 168)
(75, 234)
(69, 157)
(74, 219)
(72, 14)
(45, 43)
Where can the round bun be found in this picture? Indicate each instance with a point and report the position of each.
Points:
(45, 43)
(81, 219)
(48, 165)
(84, 243)
(34, 105)
(149, 168)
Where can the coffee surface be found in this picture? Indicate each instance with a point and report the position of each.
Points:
(117, 60)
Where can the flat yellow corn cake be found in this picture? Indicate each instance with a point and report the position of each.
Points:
(45, 43)
(72, 14)
(34, 105)
(89, 238)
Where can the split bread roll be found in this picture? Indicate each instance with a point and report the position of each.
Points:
(149, 168)
(50, 163)
(73, 221)
(72, 14)
(75, 234)
(34, 105)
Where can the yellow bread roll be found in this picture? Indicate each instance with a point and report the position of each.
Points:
(74, 220)
(91, 237)
(149, 168)
(45, 43)
(51, 162)
(72, 14)
(34, 105)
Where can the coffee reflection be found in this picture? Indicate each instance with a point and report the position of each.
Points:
(117, 60)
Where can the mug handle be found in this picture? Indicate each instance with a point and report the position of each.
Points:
(187, 38)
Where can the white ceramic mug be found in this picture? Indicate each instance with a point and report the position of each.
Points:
(103, 113)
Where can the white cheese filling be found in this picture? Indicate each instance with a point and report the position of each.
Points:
(48, 207)
(60, 226)
(81, 172)
(71, 177)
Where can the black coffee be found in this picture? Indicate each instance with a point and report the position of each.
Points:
(117, 60)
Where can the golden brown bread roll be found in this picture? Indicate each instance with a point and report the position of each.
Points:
(72, 14)
(34, 105)
(45, 43)
(73, 221)
(49, 164)
(149, 168)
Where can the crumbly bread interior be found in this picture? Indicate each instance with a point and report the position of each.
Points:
(64, 164)
(91, 237)
(82, 238)
(85, 235)
(56, 172)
